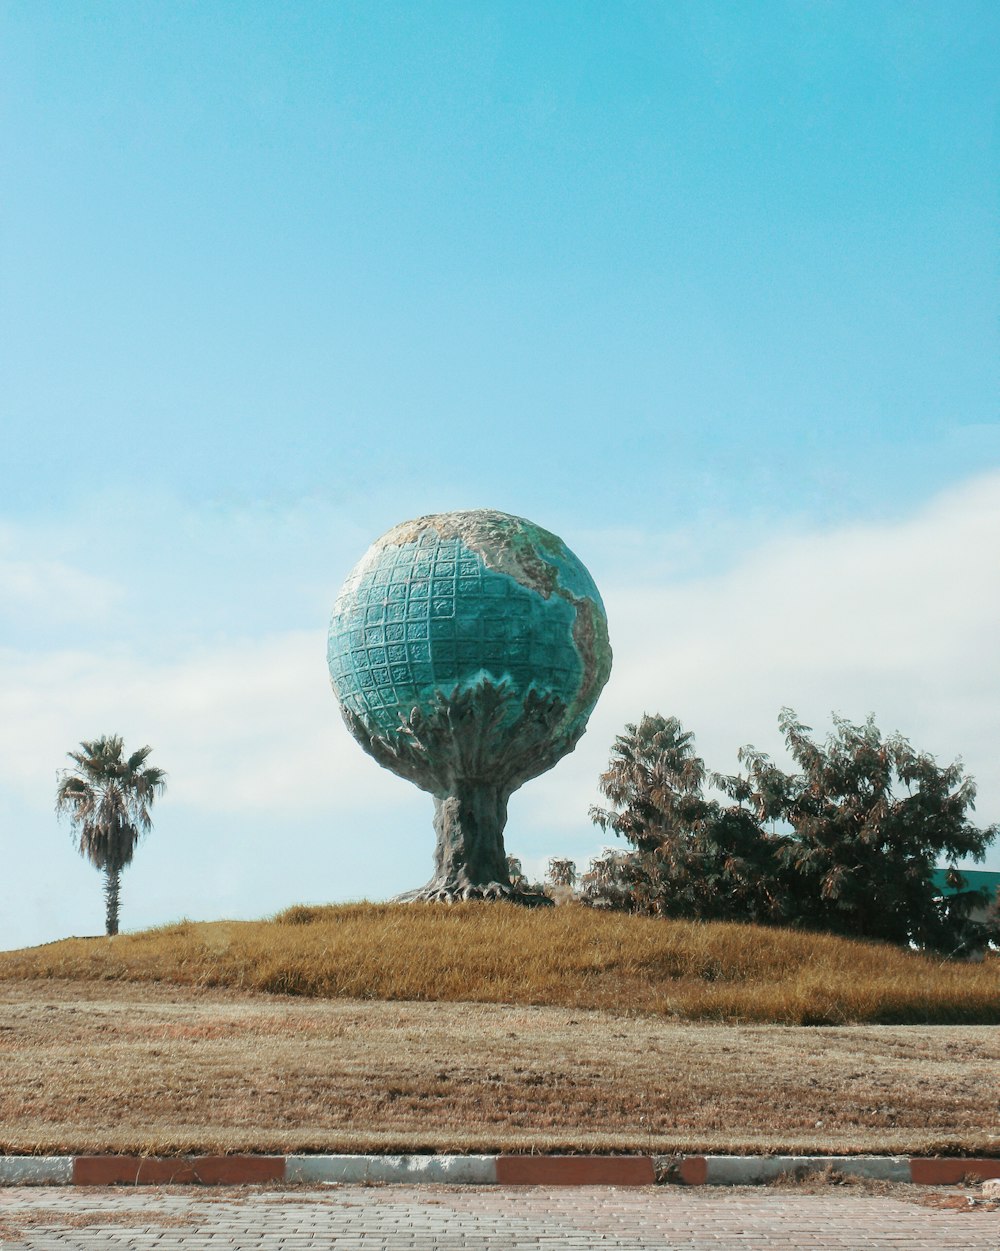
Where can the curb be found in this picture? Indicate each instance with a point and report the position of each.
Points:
(479, 1170)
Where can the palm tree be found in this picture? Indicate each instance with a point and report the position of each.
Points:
(107, 798)
(654, 781)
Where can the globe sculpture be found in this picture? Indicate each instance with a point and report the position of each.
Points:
(467, 651)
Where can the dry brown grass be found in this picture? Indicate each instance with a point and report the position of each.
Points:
(483, 1027)
(115, 1066)
(569, 956)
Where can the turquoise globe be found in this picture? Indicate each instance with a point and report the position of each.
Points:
(447, 602)
(467, 651)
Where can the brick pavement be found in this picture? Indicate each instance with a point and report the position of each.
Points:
(445, 1218)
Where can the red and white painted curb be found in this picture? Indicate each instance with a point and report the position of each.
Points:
(481, 1170)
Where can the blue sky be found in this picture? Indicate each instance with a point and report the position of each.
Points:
(708, 289)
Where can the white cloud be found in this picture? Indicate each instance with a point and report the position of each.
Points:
(249, 726)
(900, 620)
(896, 619)
(43, 591)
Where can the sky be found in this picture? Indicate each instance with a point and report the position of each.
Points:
(709, 290)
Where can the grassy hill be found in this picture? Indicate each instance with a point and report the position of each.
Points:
(568, 956)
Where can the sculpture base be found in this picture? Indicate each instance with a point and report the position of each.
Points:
(493, 892)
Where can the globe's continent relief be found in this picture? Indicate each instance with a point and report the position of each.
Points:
(447, 601)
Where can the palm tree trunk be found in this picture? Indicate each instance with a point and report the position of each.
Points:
(112, 883)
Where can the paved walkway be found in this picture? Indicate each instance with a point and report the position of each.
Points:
(428, 1218)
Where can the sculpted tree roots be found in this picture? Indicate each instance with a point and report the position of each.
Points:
(455, 892)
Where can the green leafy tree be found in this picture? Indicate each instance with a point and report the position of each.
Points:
(869, 817)
(693, 857)
(561, 872)
(107, 797)
(609, 881)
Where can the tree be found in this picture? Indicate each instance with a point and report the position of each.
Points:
(870, 817)
(694, 857)
(107, 797)
(519, 879)
(561, 872)
(610, 880)
(654, 780)
(515, 871)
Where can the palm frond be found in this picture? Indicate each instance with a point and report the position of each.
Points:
(107, 798)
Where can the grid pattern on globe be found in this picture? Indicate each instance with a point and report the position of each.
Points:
(429, 615)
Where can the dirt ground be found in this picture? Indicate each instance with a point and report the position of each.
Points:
(102, 1066)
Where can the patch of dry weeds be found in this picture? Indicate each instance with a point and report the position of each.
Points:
(13, 1226)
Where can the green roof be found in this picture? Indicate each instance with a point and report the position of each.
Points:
(975, 879)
